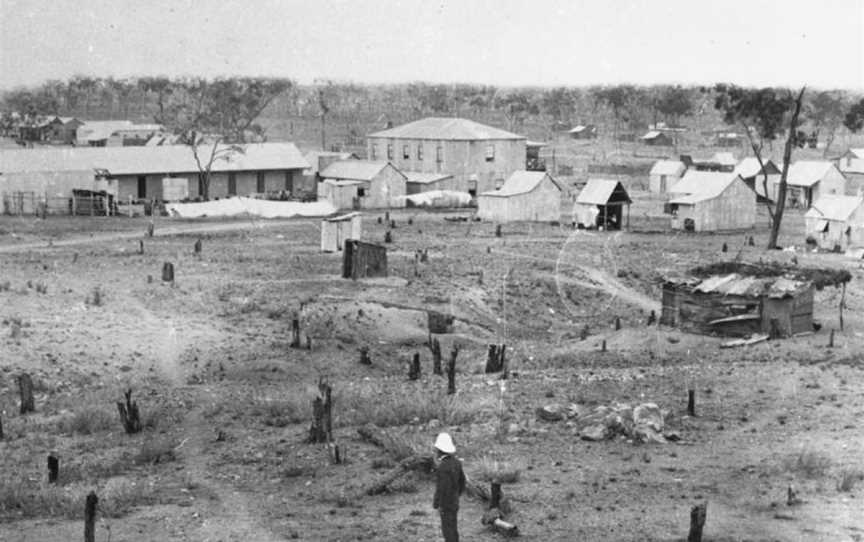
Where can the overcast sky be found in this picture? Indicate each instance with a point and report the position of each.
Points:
(501, 42)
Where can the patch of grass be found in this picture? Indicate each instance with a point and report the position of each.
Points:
(88, 420)
(21, 496)
(282, 412)
(848, 477)
(160, 416)
(499, 472)
(155, 451)
(362, 405)
(808, 463)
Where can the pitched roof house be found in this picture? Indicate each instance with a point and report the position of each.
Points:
(664, 174)
(600, 205)
(362, 184)
(712, 201)
(836, 222)
(524, 196)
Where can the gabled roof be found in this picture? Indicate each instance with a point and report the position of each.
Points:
(667, 167)
(425, 178)
(856, 153)
(156, 160)
(97, 130)
(353, 170)
(521, 182)
(807, 172)
(601, 192)
(446, 128)
(698, 186)
(749, 167)
(834, 207)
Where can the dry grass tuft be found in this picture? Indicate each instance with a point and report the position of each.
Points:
(88, 420)
(156, 450)
(808, 463)
(282, 412)
(366, 404)
(23, 497)
(849, 476)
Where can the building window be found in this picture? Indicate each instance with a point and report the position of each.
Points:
(142, 187)
(420, 151)
(232, 184)
(389, 151)
(361, 192)
(490, 153)
(406, 152)
(439, 154)
(374, 152)
(499, 183)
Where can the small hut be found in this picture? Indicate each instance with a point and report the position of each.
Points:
(363, 260)
(335, 231)
(600, 205)
(836, 222)
(664, 174)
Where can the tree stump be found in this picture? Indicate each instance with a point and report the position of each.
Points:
(1, 428)
(364, 356)
(387, 216)
(410, 221)
(197, 247)
(150, 228)
(603, 346)
(392, 224)
(388, 237)
(451, 371)
(691, 403)
(140, 246)
(414, 369)
(308, 342)
(495, 359)
(498, 230)
(751, 242)
(583, 333)
(380, 220)
(831, 339)
(25, 390)
(337, 454)
(167, 272)
(617, 323)
(322, 412)
(724, 248)
(495, 495)
(295, 333)
(90, 517)
(697, 522)
(53, 468)
(435, 347)
(129, 415)
(424, 256)
(652, 318)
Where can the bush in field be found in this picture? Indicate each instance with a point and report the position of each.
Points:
(95, 297)
(808, 463)
(282, 412)
(89, 420)
(848, 478)
(156, 450)
(362, 405)
(499, 472)
(160, 417)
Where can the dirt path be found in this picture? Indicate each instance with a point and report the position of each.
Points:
(160, 231)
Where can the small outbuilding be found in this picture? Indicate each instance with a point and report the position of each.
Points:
(809, 180)
(664, 174)
(361, 184)
(657, 139)
(363, 260)
(711, 201)
(600, 204)
(338, 229)
(836, 222)
(525, 196)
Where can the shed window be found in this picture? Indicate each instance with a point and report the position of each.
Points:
(389, 151)
(420, 152)
(406, 152)
(490, 153)
(439, 154)
(374, 152)
(361, 192)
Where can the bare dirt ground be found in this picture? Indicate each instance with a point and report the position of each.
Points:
(210, 354)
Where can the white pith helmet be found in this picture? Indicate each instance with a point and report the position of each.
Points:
(445, 444)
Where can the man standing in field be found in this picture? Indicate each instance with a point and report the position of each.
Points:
(450, 485)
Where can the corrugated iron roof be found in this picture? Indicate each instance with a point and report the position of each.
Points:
(599, 191)
(667, 167)
(425, 178)
(521, 182)
(698, 186)
(834, 207)
(144, 160)
(446, 128)
(807, 172)
(355, 170)
(744, 285)
(97, 130)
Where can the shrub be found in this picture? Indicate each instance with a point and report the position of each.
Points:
(24, 497)
(95, 297)
(282, 412)
(808, 463)
(362, 405)
(88, 420)
(499, 472)
(160, 416)
(155, 451)
(848, 478)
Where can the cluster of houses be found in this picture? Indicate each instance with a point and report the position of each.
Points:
(90, 133)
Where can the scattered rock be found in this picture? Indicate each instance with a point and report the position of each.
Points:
(550, 413)
(594, 432)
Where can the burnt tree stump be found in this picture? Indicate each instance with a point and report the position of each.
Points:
(498, 230)
(392, 224)
(652, 318)
(691, 403)
(380, 220)
(410, 221)
(583, 333)
(129, 415)
(617, 323)
(751, 242)
(435, 347)
(697, 522)
(495, 495)
(603, 346)
(388, 237)
(150, 228)
(451, 371)
(364, 356)
(197, 247)
(414, 368)
(724, 248)
(90, 517)
(308, 342)
(1, 428)
(53, 468)
(25, 390)
(140, 246)
(831, 339)
(387, 216)
(167, 272)
(295, 333)
(322, 413)
(495, 360)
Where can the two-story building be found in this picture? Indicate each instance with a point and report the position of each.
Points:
(479, 157)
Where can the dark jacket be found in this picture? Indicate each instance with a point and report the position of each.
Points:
(450, 484)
